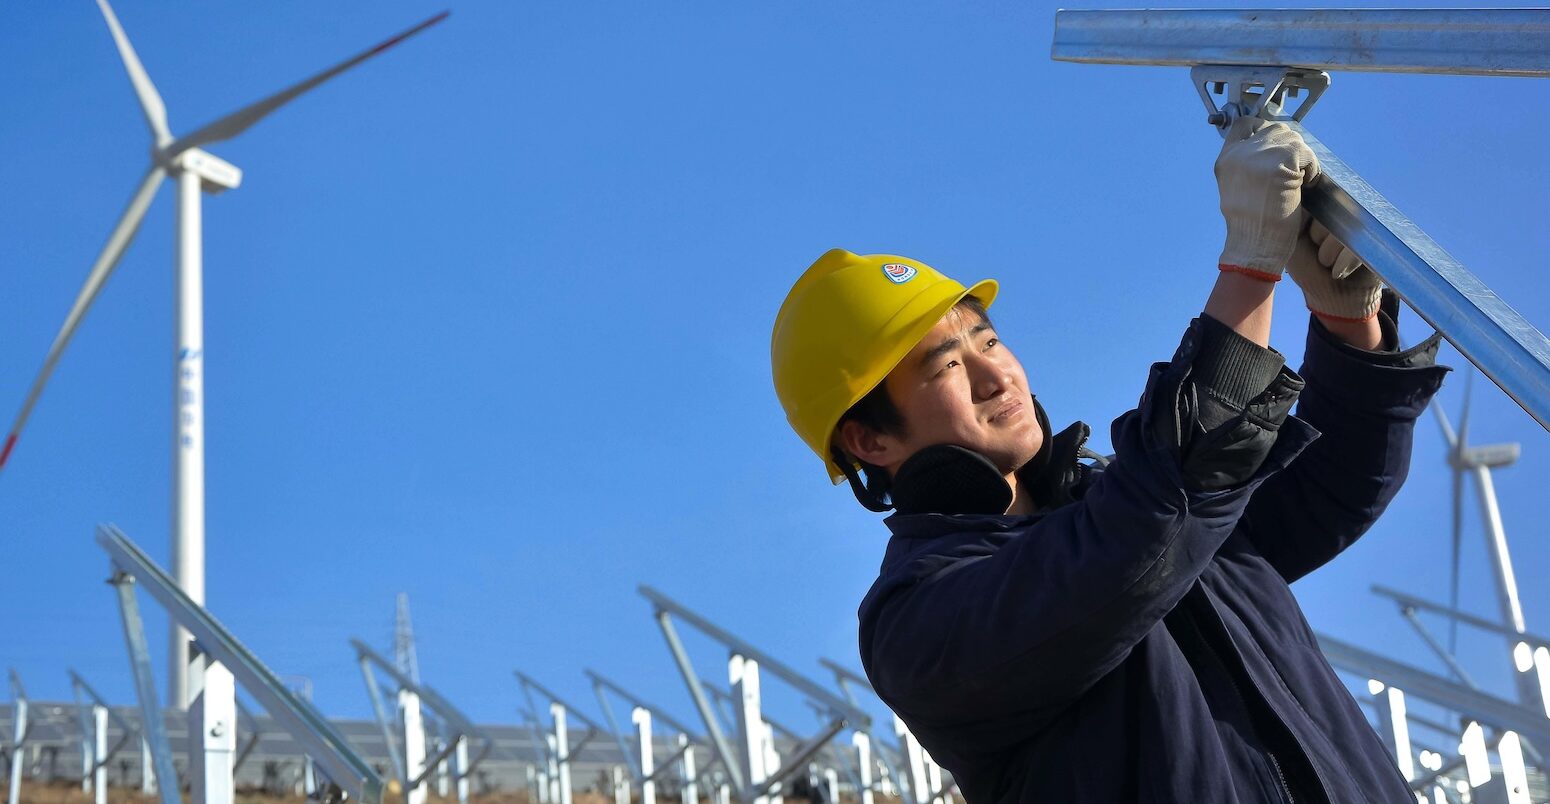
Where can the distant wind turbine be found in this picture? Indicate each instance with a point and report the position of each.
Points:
(195, 170)
(1478, 461)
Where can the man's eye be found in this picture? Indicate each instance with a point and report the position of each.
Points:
(992, 342)
(949, 364)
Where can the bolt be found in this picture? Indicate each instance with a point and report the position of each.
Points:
(218, 729)
(1217, 119)
(1218, 87)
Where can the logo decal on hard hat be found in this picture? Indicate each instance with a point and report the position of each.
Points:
(899, 273)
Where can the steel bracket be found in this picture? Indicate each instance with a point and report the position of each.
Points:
(1256, 91)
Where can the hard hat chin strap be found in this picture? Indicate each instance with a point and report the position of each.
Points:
(950, 479)
(871, 493)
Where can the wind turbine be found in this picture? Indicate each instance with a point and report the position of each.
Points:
(1479, 461)
(195, 171)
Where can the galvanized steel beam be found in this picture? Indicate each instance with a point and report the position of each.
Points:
(1451, 41)
(304, 723)
(1240, 47)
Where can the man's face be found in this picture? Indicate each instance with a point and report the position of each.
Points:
(961, 385)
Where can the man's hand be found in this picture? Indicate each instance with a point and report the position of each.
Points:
(1335, 282)
(1260, 174)
(1339, 288)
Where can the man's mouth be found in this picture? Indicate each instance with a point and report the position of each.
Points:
(1007, 412)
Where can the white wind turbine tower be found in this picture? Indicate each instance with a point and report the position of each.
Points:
(1478, 461)
(195, 170)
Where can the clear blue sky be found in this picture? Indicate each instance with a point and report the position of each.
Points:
(487, 321)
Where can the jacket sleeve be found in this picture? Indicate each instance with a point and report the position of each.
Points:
(1029, 626)
(1365, 404)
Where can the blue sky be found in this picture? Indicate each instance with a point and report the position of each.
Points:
(487, 321)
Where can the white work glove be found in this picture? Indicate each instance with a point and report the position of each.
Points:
(1334, 281)
(1260, 174)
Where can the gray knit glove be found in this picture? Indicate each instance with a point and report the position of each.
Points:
(1335, 282)
(1260, 174)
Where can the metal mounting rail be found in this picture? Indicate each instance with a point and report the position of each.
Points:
(442, 707)
(1264, 55)
(1414, 602)
(1475, 705)
(750, 770)
(557, 758)
(599, 685)
(565, 751)
(1454, 41)
(304, 723)
(802, 683)
(126, 731)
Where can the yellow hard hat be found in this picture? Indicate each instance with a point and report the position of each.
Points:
(845, 324)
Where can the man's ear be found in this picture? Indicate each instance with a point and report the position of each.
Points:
(867, 445)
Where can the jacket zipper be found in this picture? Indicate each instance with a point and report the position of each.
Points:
(1301, 746)
(1286, 789)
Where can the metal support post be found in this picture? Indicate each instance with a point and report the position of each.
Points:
(621, 785)
(212, 719)
(19, 732)
(691, 793)
(718, 740)
(744, 677)
(443, 777)
(1393, 725)
(411, 719)
(84, 742)
(553, 769)
(152, 728)
(863, 743)
(648, 788)
(461, 769)
(374, 692)
(1514, 774)
(915, 756)
(933, 776)
(562, 743)
(1542, 671)
(147, 773)
(831, 781)
(772, 765)
(99, 781)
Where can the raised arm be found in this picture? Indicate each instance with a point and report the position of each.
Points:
(1027, 617)
(1365, 402)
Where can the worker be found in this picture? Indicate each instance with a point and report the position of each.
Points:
(1056, 628)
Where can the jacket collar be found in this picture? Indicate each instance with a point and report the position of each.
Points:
(1054, 477)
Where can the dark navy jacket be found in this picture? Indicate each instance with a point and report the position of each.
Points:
(1140, 642)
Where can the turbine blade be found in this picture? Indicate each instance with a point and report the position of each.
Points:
(150, 100)
(239, 121)
(1458, 538)
(1463, 440)
(1447, 429)
(118, 242)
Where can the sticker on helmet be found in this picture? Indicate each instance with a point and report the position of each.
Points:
(899, 273)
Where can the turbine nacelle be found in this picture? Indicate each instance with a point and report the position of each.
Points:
(1491, 456)
(216, 175)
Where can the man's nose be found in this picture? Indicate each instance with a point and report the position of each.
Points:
(988, 378)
